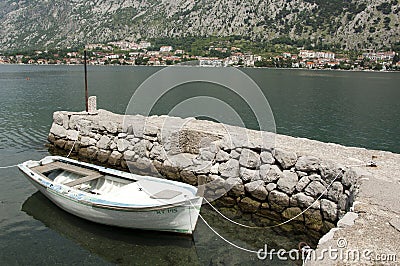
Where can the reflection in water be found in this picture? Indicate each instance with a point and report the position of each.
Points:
(126, 246)
(116, 245)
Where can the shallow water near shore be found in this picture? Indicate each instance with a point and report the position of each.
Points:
(356, 109)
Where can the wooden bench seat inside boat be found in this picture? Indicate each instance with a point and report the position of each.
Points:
(83, 180)
(87, 174)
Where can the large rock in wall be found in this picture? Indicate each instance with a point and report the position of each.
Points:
(240, 166)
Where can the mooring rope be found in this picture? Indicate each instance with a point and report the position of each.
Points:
(235, 245)
(259, 227)
(73, 145)
(369, 164)
(304, 260)
(276, 225)
(9, 166)
(224, 239)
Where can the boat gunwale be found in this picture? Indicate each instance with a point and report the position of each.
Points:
(30, 173)
(122, 174)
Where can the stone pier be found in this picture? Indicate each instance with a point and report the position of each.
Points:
(255, 173)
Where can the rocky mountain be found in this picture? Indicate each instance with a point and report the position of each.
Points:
(354, 24)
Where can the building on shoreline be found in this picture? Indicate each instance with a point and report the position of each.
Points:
(132, 53)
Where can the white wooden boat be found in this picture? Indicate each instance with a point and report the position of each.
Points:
(113, 197)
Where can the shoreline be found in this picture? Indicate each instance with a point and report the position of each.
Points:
(196, 66)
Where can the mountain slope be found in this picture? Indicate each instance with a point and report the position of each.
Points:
(51, 23)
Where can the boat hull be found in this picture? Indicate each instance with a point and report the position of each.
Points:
(179, 218)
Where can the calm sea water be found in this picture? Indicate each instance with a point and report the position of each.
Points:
(350, 108)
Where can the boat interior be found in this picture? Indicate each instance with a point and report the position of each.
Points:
(84, 179)
(110, 186)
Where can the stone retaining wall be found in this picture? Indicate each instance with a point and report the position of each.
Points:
(241, 167)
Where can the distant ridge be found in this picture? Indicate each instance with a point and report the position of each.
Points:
(352, 24)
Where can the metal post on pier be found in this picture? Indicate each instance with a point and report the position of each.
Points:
(86, 86)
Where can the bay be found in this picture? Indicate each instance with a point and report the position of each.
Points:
(351, 108)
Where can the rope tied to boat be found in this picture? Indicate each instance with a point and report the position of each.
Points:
(258, 252)
(73, 145)
(276, 225)
(9, 166)
(305, 248)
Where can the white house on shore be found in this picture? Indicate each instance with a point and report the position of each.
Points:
(308, 54)
(165, 49)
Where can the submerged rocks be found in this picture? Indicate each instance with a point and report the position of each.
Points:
(249, 205)
(313, 219)
(103, 155)
(115, 158)
(89, 152)
(294, 213)
(278, 200)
